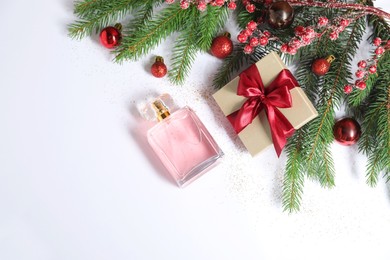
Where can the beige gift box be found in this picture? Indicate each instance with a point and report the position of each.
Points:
(257, 136)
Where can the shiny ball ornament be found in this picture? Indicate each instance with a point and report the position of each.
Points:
(347, 131)
(111, 36)
(159, 69)
(321, 66)
(280, 15)
(222, 46)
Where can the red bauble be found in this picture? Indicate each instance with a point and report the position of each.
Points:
(280, 15)
(110, 37)
(321, 66)
(347, 131)
(222, 46)
(159, 69)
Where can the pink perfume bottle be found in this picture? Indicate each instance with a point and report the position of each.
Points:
(180, 140)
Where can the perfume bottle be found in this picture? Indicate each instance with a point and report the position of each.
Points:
(180, 140)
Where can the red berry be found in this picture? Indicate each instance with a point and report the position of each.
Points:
(248, 49)
(310, 32)
(348, 89)
(361, 84)
(333, 36)
(344, 22)
(254, 42)
(263, 40)
(250, 8)
(359, 74)
(379, 51)
(284, 48)
(377, 41)
(242, 37)
(372, 69)
(247, 32)
(299, 30)
(232, 6)
(267, 34)
(322, 21)
(362, 64)
(292, 50)
(252, 25)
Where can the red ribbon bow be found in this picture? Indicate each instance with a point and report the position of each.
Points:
(276, 95)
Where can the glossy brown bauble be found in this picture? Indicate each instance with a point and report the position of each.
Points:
(280, 15)
(159, 69)
(347, 131)
(222, 46)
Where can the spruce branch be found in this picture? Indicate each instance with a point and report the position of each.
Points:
(330, 98)
(97, 14)
(293, 177)
(210, 24)
(169, 20)
(185, 49)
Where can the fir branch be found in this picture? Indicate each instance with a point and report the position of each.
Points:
(185, 49)
(375, 142)
(169, 20)
(244, 17)
(293, 177)
(330, 97)
(211, 23)
(142, 16)
(97, 14)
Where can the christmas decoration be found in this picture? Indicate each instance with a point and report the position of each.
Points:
(159, 69)
(222, 46)
(347, 131)
(321, 66)
(276, 87)
(317, 28)
(110, 36)
(280, 15)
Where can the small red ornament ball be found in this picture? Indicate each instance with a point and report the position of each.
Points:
(347, 131)
(222, 46)
(321, 66)
(159, 69)
(110, 37)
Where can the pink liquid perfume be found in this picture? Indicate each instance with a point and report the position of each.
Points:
(180, 140)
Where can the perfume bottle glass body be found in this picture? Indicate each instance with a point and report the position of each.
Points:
(184, 145)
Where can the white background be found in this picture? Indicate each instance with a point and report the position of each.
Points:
(77, 180)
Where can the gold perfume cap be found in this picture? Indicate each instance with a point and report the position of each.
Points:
(161, 110)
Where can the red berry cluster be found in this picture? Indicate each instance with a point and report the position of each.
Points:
(306, 35)
(369, 66)
(254, 37)
(303, 37)
(202, 4)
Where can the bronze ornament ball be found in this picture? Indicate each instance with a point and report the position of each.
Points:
(280, 15)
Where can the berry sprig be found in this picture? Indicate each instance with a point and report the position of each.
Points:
(368, 66)
(303, 35)
(254, 36)
(306, 35)
(202, 4)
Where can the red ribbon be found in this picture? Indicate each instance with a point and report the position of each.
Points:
(276, 95)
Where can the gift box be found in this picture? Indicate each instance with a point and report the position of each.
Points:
(266, 115)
